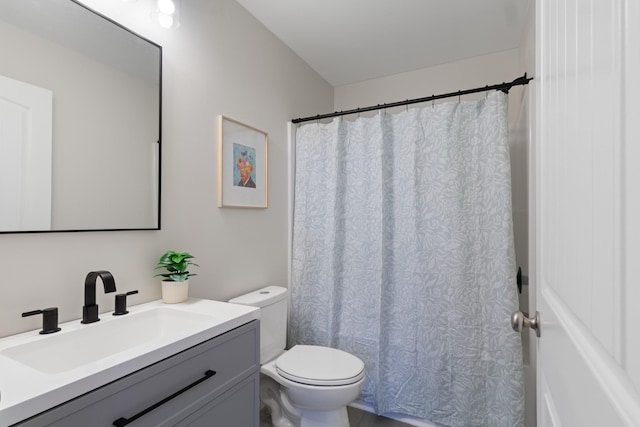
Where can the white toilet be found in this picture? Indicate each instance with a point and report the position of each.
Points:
(306, 386)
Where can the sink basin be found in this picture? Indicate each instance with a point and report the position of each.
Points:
(64, 351)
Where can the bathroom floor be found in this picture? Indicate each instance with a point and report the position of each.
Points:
(357, 418)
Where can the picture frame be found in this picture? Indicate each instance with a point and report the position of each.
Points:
(242, 165)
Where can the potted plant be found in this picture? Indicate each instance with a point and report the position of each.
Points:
(175, 282)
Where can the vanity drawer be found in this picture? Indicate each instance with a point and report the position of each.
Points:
(233, 356)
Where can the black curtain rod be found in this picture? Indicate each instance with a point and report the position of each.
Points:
(500, 86)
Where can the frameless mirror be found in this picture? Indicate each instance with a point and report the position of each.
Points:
(80, 100)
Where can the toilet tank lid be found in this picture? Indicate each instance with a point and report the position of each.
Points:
(262, 297)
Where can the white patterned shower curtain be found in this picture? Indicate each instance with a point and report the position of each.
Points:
(403, 256)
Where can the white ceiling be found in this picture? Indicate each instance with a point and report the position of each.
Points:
(347, 41)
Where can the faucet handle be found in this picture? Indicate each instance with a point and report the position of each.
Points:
(49, 319)
(121, 303)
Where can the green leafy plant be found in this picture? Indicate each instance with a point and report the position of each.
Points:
(176, 265)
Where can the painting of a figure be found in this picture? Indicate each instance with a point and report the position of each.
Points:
(244, 173)
(242, 165)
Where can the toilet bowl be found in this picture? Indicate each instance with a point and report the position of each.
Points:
(306, 386)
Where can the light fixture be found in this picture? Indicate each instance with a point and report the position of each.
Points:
(166, 7)
(165, 21)
(166, 13)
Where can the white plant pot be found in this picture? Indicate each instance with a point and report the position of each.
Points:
(175, 292)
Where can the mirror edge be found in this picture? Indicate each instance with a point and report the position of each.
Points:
(159, 142)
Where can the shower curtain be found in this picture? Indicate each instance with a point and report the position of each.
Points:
(403, 256)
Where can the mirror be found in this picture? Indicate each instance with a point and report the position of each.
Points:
(80, 103)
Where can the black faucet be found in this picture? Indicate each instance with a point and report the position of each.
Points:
(49, 319)
(121, 303)
(90, 308)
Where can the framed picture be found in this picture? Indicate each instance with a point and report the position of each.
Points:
(242, 165)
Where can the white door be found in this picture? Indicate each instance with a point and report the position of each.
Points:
(25, 156)
(587, 212)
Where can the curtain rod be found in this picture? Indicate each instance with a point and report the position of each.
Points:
(500, 86)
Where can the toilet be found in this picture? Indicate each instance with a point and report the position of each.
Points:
(306, 386)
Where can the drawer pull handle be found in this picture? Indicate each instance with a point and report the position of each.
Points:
(122, 421)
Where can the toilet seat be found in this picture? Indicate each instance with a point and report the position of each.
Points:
(316, 365)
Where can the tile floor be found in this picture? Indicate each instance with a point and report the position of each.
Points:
(357, 418)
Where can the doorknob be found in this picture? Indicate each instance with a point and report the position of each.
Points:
(520, 320)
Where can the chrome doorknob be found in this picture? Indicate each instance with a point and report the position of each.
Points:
(520, 320)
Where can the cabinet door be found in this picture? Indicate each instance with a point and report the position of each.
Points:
(238, 407)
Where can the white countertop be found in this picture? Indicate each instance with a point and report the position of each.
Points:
(25, 391)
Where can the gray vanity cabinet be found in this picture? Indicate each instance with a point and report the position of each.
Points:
(215, 383)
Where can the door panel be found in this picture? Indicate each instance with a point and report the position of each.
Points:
(25, 156)
(631, 180)
(585, 208)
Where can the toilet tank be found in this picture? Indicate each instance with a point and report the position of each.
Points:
(273, 304)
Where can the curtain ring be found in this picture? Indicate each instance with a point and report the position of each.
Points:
(406, 106)
(433, 101)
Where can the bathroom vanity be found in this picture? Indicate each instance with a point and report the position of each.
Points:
(201, 370)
